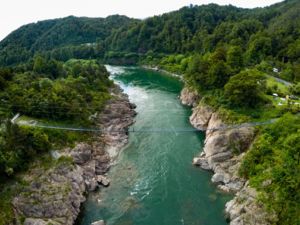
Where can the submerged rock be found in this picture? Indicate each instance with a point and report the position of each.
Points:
(100, 222)
(103, 180)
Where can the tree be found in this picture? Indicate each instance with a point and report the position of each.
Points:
(274, 157)
(295, 89)
(218, 75)
(235, 58)
(259, 47)
(245, 89)
(39, 64)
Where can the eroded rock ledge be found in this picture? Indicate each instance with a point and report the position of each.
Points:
(54, 196)
(223, 152)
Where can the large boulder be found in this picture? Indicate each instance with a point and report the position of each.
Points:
(201, 116)
(82, 153)
(103, 180)
(189, 97)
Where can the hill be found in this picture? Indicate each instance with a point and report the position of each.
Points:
(24, 42)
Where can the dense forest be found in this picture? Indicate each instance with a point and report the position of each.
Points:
(53, 70)
(52, 91)
(270, 33)
(71, 31)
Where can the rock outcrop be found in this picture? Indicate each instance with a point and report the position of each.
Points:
(223, 152)
(115, 119)
(244, 209)
(54, 195)
(189, 97)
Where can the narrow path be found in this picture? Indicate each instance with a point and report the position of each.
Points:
(286, 83)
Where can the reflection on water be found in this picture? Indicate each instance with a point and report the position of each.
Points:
(153, 181)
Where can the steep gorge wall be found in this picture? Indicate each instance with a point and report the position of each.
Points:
(223, 152)
(54, 195)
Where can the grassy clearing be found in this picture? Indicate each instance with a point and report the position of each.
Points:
(58, 138)
(277, 87)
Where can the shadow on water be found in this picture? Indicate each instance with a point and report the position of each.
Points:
(153, 181)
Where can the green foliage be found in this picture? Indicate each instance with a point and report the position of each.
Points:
(66, 33)
(273, 167)
(295, 89)
(18, 146)
(209, 71)
(7, 193)
(234, 58)
(250, 36)
(75, 90)
(51, 67)
(245, 88)
(50, 90)
(259, 48)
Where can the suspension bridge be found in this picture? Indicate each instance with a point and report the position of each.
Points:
(137, 130)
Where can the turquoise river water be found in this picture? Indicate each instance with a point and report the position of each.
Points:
(153, 181)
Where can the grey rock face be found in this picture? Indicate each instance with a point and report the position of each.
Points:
(244, 209)
(59, 196)
(202, 162)
(54, 195)
(222, 153)
(189, 97)
(82, 153)
(31, 221)
(103, 180)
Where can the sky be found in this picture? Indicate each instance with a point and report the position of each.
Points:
(15, 13)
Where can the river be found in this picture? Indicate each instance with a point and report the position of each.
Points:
(153, 181)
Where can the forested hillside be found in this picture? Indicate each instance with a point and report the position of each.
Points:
(262, 33)
(203, 28)
(53, 34)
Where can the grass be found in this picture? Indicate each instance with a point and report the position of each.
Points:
(9, 188)
(59, 138)
(274, 107)
(277, 87)
(49, 122)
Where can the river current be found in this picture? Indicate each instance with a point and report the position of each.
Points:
(153, 181)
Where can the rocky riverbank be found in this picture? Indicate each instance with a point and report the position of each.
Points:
(54, 195)
(223, 152)
(156, 68)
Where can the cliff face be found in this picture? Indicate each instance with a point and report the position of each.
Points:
(223, 152)
(54, 195)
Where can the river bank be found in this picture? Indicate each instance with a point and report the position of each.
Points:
(54, 196)
(223, 152)
(157, 69)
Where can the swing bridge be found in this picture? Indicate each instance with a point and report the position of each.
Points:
(132, 129)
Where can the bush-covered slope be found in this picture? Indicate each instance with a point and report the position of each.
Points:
(262, 32)
(50, 34)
